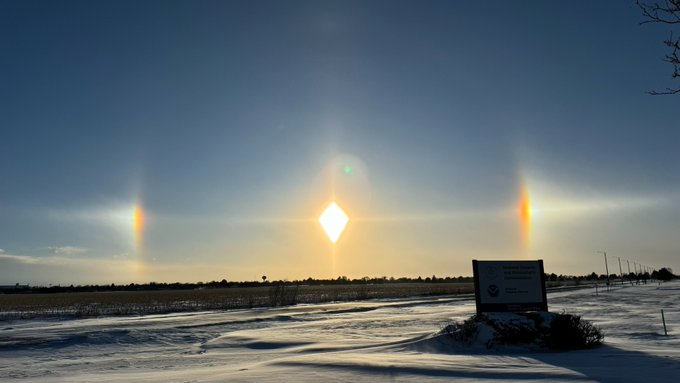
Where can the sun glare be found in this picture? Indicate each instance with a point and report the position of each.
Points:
(525, 215)
(333, 220)
(138, 224)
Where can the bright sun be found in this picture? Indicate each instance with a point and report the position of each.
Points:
(333, 220)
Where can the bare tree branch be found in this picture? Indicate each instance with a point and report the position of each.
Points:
(665, 12)
(663, 93)
(668, 13)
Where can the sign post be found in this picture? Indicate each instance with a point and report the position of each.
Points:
(509, 286)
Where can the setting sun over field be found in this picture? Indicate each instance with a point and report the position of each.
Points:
(231, 139)
(333, 220)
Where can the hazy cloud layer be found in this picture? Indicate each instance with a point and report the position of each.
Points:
(66, 250)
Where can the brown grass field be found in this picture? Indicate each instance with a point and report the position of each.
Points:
(116, 303)
(94, 304)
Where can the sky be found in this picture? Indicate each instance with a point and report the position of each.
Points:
(196, 141)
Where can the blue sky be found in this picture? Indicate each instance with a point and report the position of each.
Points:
(227, 122)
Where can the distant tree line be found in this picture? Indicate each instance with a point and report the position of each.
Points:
(152, 286)
(663, 274)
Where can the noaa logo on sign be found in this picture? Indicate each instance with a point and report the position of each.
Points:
(493, 290)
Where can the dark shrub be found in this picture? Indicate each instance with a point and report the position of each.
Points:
(566, 331)
(570, 332)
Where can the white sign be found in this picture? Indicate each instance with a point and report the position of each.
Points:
(509, 286)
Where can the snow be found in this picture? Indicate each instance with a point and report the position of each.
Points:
(369, 341)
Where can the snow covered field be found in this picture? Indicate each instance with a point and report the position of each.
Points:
(369, 341)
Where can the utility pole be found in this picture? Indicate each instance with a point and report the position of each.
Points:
(606, 266)
(620, 270)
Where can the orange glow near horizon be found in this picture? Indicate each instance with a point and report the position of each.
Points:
(138, 225)
(525, 216)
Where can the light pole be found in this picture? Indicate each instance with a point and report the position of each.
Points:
(606, 266)
(620, 270)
